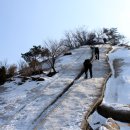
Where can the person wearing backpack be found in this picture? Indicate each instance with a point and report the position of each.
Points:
(88, 66)
(96, 53)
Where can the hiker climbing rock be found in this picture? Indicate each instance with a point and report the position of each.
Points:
(96, 53)
(87, 66)
(104, 40)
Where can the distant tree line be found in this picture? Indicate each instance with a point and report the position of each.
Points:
(52, 49)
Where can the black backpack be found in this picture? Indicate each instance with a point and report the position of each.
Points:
(86, 62)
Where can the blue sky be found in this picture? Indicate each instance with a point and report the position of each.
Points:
(24, 23)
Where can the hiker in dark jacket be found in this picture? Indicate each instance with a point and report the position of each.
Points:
(97, 53)
(88, 66)
(104, 40)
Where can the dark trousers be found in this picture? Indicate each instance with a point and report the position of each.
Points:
(86, 72)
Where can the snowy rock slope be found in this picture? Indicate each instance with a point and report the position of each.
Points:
(44, 106)
(83, 94)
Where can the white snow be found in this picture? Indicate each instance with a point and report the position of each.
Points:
(119, 88)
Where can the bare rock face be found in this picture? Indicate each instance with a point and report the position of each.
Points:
(110, 125)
